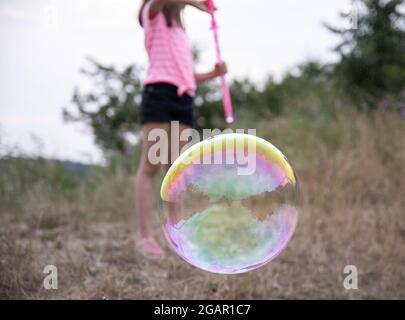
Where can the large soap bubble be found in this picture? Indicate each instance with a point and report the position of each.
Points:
(230, 203)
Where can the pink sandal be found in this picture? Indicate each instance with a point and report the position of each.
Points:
(149, 248)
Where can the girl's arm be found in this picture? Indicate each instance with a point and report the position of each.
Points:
(219, 70)
(157, 5)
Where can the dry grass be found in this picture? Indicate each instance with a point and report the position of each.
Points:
(352, 184)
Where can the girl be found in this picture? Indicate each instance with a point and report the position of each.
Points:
(168, 96)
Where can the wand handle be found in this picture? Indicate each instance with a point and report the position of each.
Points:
(224, 86)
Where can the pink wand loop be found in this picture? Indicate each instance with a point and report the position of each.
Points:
(224, 86)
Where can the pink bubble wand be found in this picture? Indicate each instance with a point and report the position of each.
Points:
(224, 86)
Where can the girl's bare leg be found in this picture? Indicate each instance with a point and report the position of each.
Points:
(175, 209)
(144, 194)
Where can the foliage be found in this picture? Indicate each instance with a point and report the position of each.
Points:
(111, 108)
(371, 70)
(372, 65)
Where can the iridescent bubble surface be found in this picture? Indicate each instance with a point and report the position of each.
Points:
(230, 203)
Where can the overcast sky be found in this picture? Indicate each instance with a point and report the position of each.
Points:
(44, 43)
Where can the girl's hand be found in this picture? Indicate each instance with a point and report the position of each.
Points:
(220, 69)
(201, 5)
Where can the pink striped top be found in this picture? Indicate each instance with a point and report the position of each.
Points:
(170, 54)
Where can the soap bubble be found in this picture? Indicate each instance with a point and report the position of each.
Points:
(229, 203)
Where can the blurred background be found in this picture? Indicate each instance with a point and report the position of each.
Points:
(45, 44)
(323, 81)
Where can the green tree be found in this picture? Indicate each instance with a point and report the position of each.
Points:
(372, 64)
(110, 108)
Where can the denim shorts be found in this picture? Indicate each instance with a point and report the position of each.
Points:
(161, 103)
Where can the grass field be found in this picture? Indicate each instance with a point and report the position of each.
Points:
(352, 189)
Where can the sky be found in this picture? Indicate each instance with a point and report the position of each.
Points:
(44, 43)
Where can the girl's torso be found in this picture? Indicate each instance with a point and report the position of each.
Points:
(170, 54)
